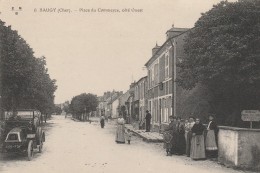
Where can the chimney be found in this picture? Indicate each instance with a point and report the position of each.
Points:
(155, 49)
(132, 85)
(175, 32)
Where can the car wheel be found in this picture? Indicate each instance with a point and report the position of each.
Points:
(40, 145)
(30, 150)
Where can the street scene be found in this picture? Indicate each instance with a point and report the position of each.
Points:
(79, 150)
(130, 86)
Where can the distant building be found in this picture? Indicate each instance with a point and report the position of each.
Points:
(130, 104)
(123, 105)
(115, 108)
(106, 105)
(140, 101)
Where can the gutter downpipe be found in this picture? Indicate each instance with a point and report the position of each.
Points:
(174, 77)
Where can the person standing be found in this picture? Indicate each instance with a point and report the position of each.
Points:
(172, 129)
(197, 141)
(102, 121)
(211, 138)
(189, 135)
(148, 121)
(186, 125)
(181, 143)
(120, 130)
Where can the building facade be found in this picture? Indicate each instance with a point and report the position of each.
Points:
(140, 101)
(106, 103)
(164, 96)
(123, 100)
(162, 91)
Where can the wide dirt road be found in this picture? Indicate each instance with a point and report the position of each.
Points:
(75, 147)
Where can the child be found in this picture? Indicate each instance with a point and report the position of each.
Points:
(128, 135)
(167, 137)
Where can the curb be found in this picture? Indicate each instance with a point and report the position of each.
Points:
(144, 138)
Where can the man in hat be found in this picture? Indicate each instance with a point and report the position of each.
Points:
(148, 121)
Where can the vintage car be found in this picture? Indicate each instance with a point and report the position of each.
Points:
(23, 132)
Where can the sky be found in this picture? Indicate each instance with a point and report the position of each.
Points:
(95, 52)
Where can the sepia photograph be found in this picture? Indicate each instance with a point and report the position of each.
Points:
(130, 86)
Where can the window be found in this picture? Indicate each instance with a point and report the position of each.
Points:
(142, 90)
(150, 78)
(156, 111)
(167, 64)
(149, 108)
(12, 137)
(156, 74)
(166, 88)
(170, 105)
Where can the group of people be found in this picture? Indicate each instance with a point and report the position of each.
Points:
(122, 135)
(181, 137)
(192, 138)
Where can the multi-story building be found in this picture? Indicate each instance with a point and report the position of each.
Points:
(131, 115)
(113, 105)
(162, 91)
(140, 101)
(123, 102)
(165, 96)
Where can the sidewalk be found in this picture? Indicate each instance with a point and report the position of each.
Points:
(153, 137)
(146, 136)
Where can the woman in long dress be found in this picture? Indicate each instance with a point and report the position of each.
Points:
(189, 135)
(120, 130)
(211, 138)
(181, 143)
(186, 125)
(197, 141)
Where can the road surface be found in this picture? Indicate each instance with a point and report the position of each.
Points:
(80, 147)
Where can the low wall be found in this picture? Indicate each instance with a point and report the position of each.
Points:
(239, 147)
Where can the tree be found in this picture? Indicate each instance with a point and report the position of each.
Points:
(66, 107)
(24, 78)
(83, 104)
(58, 110)
(222, 52)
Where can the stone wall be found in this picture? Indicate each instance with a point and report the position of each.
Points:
(239, 147)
